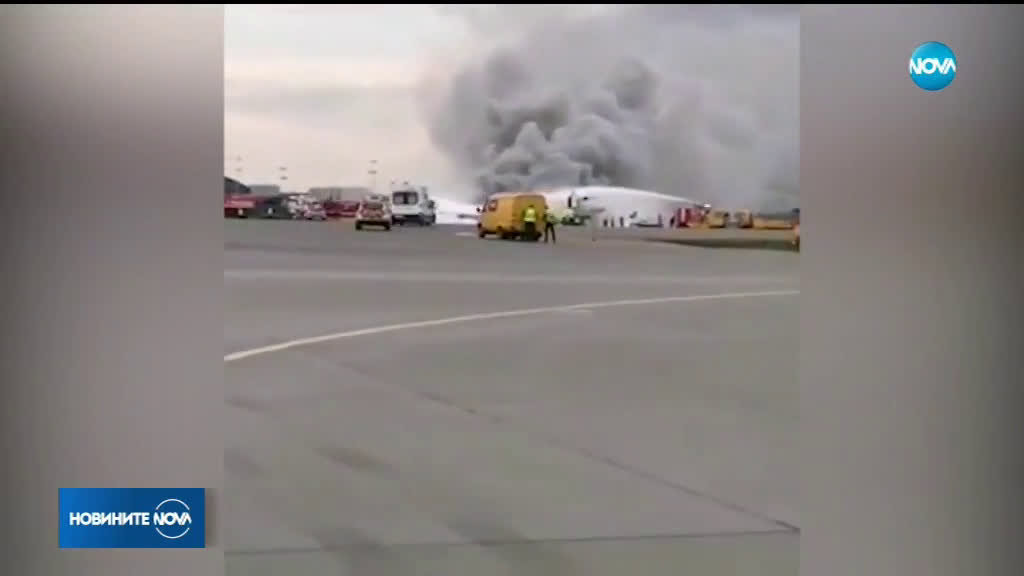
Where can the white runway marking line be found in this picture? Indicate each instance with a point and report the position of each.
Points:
(243, 354)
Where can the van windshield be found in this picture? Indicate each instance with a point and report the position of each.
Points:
(406, 198)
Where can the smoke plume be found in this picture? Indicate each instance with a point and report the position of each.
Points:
(696, 101)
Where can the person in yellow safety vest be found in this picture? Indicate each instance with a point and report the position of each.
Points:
(529, 223)
(549, 227)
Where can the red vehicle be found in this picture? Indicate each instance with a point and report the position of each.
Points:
(692, 216)
(342, 209)
(238, 207)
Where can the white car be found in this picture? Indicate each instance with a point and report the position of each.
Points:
(315, 211)
(374, 211)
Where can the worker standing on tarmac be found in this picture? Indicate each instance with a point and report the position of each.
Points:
(529, 223)
(549, 227)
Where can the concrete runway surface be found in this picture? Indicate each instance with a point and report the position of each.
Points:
(654, 436)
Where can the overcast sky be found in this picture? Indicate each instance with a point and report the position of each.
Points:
(322, 90)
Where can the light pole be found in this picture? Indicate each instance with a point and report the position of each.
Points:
(372, 173)
(233, 164)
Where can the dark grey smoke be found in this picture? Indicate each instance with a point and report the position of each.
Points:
(697, 101)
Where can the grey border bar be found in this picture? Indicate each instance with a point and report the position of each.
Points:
(910, 294)
(111, 119)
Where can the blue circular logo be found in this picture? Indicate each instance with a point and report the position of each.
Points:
(932, 66)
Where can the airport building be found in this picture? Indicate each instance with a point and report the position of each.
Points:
(264, 189)
(233, 187)
(339, 193)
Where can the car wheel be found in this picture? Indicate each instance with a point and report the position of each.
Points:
(359, 225)
(481, 233)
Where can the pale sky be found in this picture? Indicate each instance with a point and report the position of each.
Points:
(323, 90)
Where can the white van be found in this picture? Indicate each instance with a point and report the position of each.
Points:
(412, 205)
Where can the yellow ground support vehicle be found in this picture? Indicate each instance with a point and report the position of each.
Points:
(772, 223)
(716, 219)
(502, 215)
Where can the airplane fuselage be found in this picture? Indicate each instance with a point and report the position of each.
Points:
(623, 206)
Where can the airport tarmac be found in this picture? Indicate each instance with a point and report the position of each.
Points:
(494, 407)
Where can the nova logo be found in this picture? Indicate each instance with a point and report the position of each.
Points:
(132, 518)
(932, 66)
(172, 519)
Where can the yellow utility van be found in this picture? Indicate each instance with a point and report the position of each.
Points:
(502, 215)
(717, 219)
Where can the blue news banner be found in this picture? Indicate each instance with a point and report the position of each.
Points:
(132, 518)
